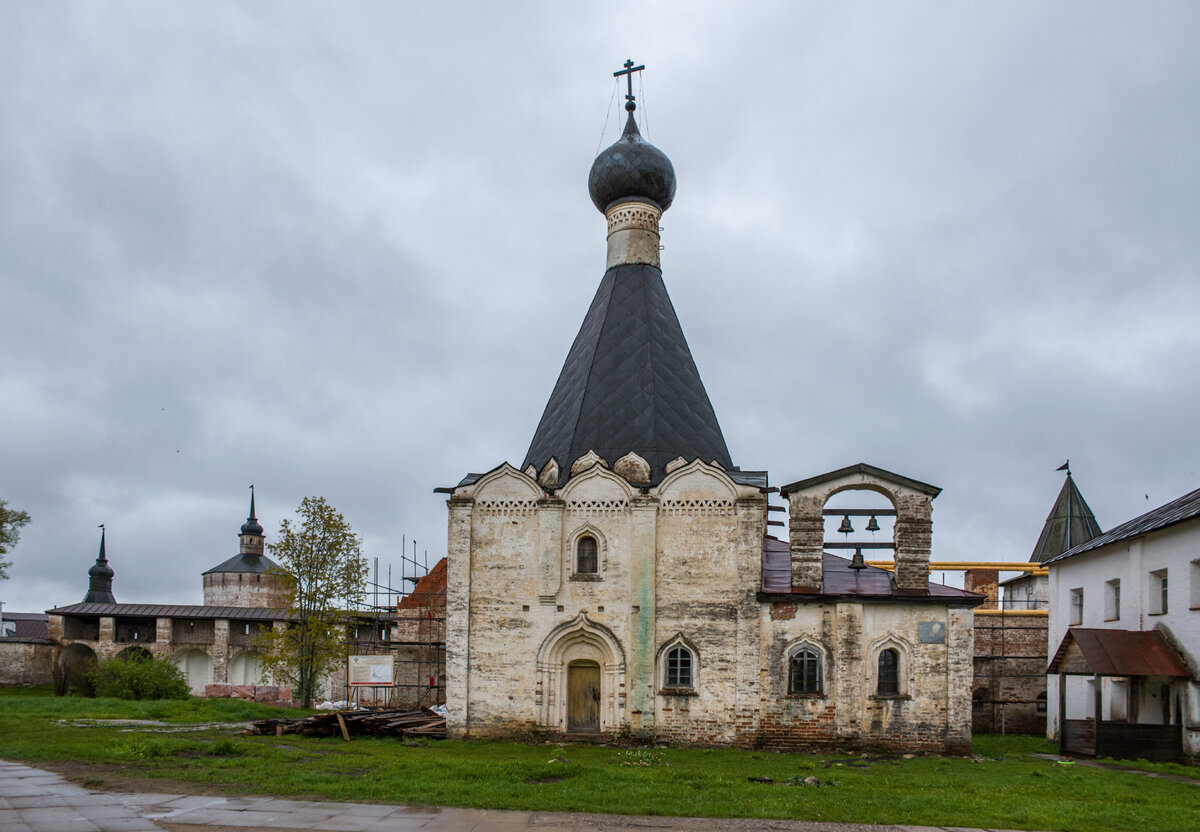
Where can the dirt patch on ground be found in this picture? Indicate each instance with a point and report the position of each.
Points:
(109, 777)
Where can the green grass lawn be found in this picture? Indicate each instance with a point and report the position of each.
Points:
(1006, 789)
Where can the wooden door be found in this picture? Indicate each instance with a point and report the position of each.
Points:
(583, 698)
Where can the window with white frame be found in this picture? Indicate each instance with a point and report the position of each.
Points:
(1157, 592)
(1076, 605)
(806, 676)
(1112, 600)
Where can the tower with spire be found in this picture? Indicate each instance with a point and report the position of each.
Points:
(100, 578)
(243, 580)
(629, 384)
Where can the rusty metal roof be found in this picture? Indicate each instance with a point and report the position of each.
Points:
(1120, 653)
(838, 580)
(1186, 507)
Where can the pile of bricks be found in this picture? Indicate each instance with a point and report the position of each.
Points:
(280, 697)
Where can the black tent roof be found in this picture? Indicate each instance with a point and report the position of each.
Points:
(629, 384)
(243, 562)
(1069, 524)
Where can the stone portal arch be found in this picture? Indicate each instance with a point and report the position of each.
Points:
(72, 671)
(197, 667)
(246, 668)
(135, 653)
(575, 647)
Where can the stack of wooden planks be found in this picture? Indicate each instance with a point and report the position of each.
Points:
(377, 722)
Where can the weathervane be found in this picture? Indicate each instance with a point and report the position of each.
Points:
(630, 101)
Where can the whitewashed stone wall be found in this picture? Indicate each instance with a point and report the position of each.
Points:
(677, 563)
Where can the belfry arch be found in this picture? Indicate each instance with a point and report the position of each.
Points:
(912, 533)
(567, 654)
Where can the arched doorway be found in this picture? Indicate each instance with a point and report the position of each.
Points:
(72, 671)
(583, 697)
(197, 668)
(581, 678)
(246, 669)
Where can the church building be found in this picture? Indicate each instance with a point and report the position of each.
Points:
(622, 581)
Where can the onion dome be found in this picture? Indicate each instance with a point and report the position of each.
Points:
(632, 169)
(100, 579)
(251, 525)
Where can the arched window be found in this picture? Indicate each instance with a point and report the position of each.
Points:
(678, 668)
(587, 561)
(889, 673)
(804, 672)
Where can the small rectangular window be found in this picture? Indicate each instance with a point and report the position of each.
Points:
(1112, 600)
(888, 682)
(1157, 592)
(1077, 606)
(1195, 585)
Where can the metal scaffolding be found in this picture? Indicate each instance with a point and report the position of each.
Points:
(420, 633)
(409, 623)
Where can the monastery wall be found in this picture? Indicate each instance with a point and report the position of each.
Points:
(26, 662)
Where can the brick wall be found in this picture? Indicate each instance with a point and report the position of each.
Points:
(1010, 673)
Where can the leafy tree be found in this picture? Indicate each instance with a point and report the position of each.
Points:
(11, 522)
(322, 572)
(139, 677)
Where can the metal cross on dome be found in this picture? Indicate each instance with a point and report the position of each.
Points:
(630, 101)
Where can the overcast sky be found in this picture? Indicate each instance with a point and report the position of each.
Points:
(342, 250)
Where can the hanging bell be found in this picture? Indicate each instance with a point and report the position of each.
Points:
(845, 528)
(857, 561)
(872, 524)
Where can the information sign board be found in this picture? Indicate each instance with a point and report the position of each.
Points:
(370, 672)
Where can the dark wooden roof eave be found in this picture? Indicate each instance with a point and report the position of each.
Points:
(811, 597)
(172, 611)
(862, 468)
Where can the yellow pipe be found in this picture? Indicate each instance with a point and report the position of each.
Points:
(961, 566)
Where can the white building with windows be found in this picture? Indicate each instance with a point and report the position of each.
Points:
(1125, 638)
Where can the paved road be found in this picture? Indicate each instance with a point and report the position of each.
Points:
(32, 800)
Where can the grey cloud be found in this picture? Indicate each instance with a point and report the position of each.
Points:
(343, 251)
